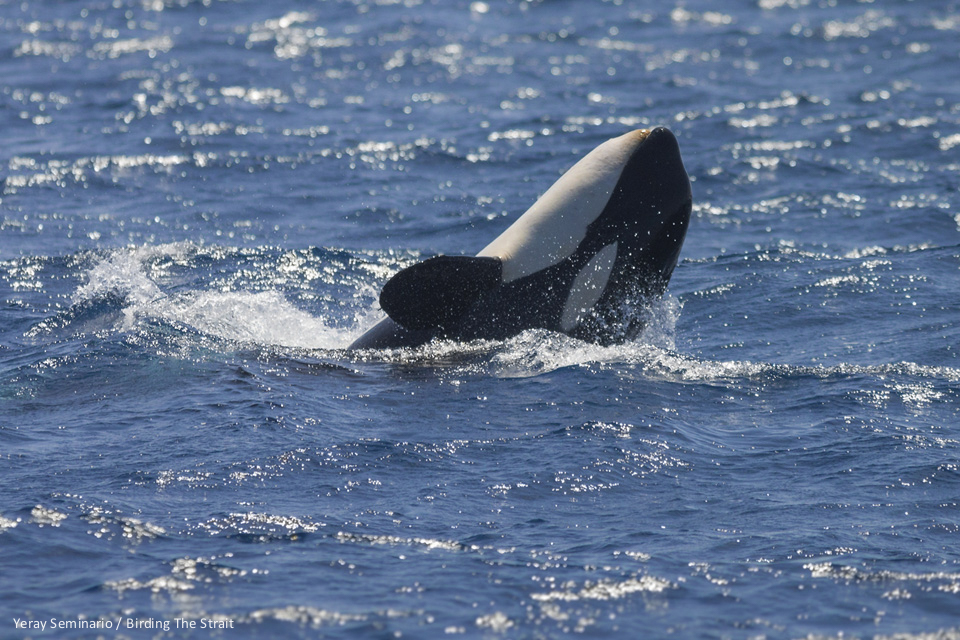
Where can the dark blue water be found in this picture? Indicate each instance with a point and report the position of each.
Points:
(201, 201)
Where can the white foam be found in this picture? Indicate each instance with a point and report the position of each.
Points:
(123, 272)
(497, 622)
(160, 584)
(45, 516)
(427, 543)
(538, 352)
(608, 589)
(305, 615)
(109, 525)
(259, 317)
(6, 523)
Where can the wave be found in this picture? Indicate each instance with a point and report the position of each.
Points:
(122, 292)
(539, 352)
(183, 284)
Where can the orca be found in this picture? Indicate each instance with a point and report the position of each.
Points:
(601, 242)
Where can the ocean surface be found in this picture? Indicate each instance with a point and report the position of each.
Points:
(202, 198)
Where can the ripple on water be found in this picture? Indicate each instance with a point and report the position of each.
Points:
(201, 203)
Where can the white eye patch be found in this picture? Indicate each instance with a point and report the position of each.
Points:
(588, 286)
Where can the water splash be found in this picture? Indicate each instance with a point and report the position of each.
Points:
(258, 317)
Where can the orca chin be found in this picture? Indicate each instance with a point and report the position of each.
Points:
(601, 242)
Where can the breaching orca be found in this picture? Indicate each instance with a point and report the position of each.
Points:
(600, 242)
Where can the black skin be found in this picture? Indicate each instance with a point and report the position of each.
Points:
(462, 298)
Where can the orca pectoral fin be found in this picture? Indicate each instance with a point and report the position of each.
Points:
(435, 293)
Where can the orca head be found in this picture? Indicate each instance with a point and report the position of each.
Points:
(607, 235)
(600, 241)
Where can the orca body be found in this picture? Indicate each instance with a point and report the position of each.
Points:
(601, 241)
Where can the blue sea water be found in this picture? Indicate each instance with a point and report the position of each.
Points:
(201, 200)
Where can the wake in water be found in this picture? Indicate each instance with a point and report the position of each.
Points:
(183, 285)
